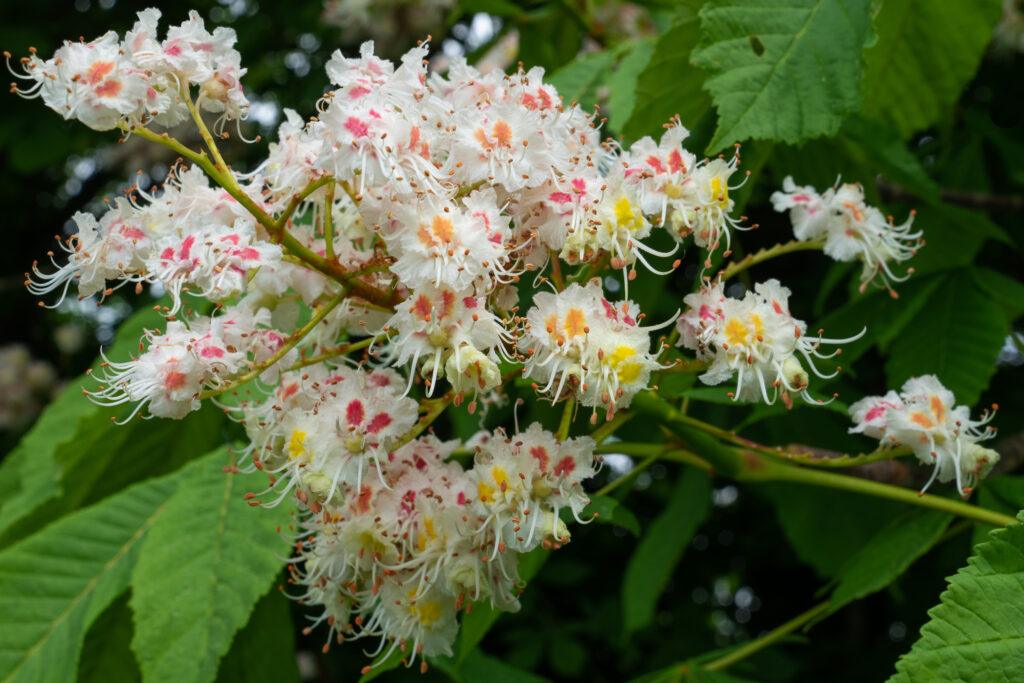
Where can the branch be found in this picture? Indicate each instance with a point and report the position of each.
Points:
(745, 464)
(770, 638)
(296, 337)
(767, 255)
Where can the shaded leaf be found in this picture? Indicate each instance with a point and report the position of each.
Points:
(577, 81)
(827, 540)
(107, 654)
(669, 85)
(889, 552)
(924, 56)
(957, 337)
(263, 651)
(662, 547)
(623, 81)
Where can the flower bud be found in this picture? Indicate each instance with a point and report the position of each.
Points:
(470, 370)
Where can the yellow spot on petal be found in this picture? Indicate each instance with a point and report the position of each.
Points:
(625, 369)
(500, 476)
(736, 332)
(720, 191)
(427, 612)
(627, 216)
(297, 444)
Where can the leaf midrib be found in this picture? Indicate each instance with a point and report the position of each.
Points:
(87, 589)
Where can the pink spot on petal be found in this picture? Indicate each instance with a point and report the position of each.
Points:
(355, 413)
(379, 422)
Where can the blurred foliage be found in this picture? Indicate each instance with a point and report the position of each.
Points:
(904, 96)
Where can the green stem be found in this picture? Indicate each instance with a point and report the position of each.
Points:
(296, 337)
(342, 350)
(609, 427)
(329, 222)
(204, 132)
(800, 475)
(628, 476)
(746, 464)
(770, 638)
(434, 410)
(767, 255)
(566, 422)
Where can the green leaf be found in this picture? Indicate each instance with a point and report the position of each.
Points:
(1005, 291)
(888, 554)
(884, 317)
(1003, 493)
(957, 337)
(976, 633)
(827, 528)
(925, 54)
(662, 547)
(623, 81)
(578, 80)
(611, 511)
(784, 71)
(669, 85)
(481, 667)
(263, 651)
(54, 584)
(216, 555)
(107, 654)
(75, 456)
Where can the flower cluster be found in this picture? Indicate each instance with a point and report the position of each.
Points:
(396, 554)
(756, 339)
(850, 229)
(594, 347)
(399, 222)
(190, 238)
(924, 418)
(112, 81)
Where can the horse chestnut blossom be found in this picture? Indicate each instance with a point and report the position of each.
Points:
(368, 275)
(756, 339)
(110, 82)
(924, 418)
(850, 229)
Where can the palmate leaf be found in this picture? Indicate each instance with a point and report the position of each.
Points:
(782, 71)
(56, 582)
(925, 54)
(662, 546)
(976, 633)
(203, 566)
